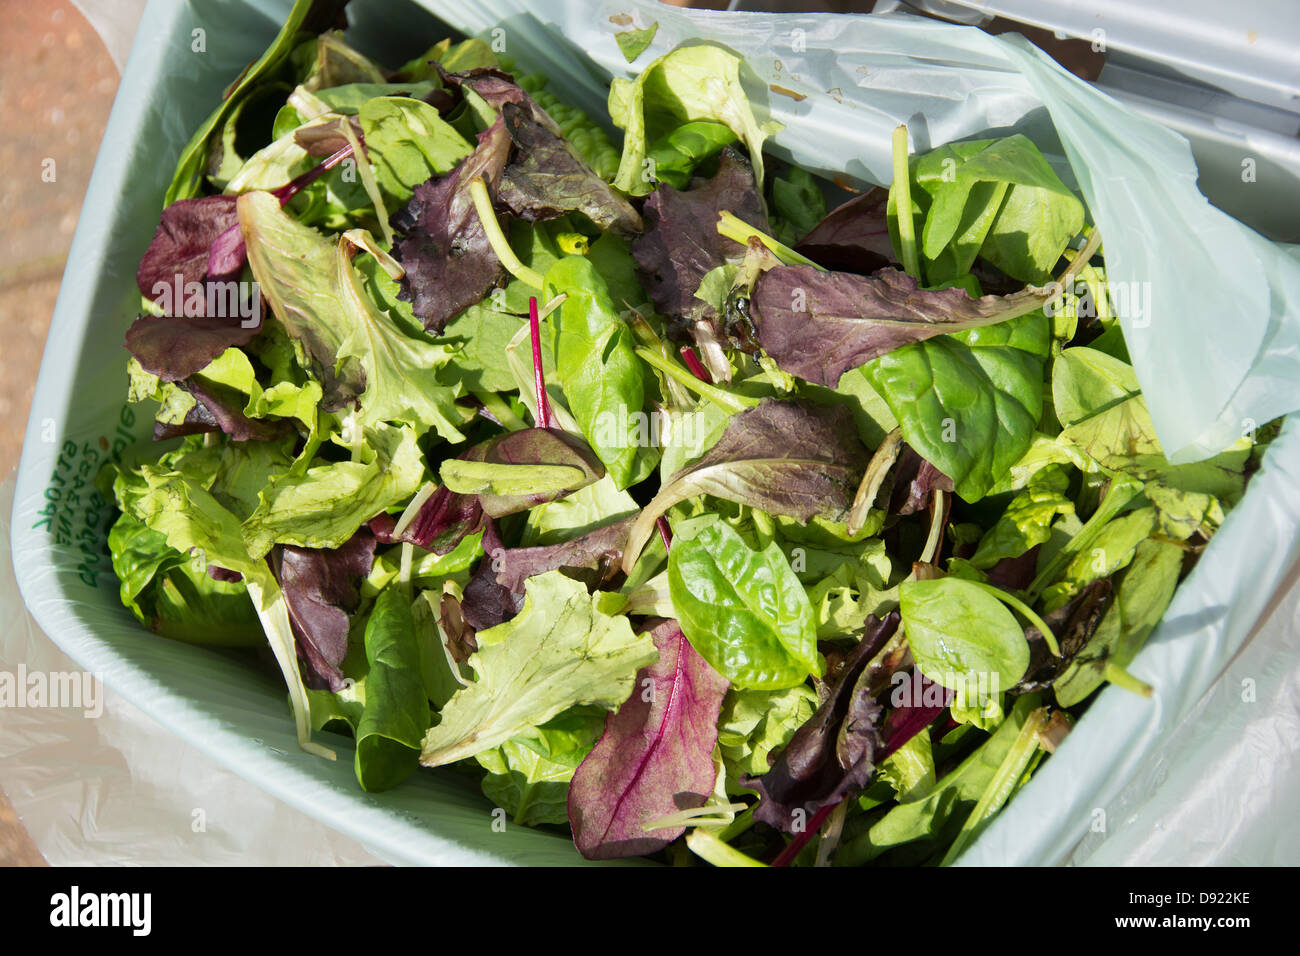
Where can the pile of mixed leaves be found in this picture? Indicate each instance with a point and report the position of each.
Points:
(685, 512)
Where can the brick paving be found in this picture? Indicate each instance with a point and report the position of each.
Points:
(56, 87)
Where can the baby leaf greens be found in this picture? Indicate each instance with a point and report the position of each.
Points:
(743, 610)
(632, 473)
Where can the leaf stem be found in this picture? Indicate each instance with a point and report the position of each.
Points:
(739, 231)
(496, 238)
(712, 850)
(1023, 608)
(692, 363)
(1122, 678)
(882, 460)
(544, 419)
(902, 189)
(729, 400)
(1003, 783)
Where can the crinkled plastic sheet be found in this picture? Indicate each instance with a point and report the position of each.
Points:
(1218, 351)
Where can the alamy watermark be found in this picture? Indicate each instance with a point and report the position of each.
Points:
(977, 690)
(210, 299)
(75, 690)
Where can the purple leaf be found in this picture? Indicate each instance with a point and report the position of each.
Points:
(834, 753)
(547, 179)
(681, 241)
(915, 480)
(320, 588)
(230, 418)
(448, 260)
(441, 523)
(655, 757)
(486, 601)
(599, 552)
(181, 244)
(535, 446)
(854, 236)
(818, 325)
(174, 349)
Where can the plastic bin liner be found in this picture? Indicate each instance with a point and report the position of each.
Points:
(1217, 351)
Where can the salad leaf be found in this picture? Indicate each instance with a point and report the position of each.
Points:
(529, 775)
(655, 756)
(1027, 522)
(633, 43)
(834, 753)
(181, 246)
(1145, 590)
(324, 506)
(798, 205)
(513, 472)
(439, 525)
(852, 237)
(818, 325)
(320, 588)
(969, 402)
(562, 649)
(783, 457)
(597, 365)
(743, 610)
(754, 724)
(681, 243)
(599, 551)
(448, 259)
(548, 178)
(676, 154)
(689, 83)
(408, 142)
(961, 636)
(307, 16)
(396, 712)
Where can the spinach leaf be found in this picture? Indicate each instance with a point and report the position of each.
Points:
(743, 610)
(962, 636)
(998, 197)
(396, 713)
(597, 364)
(969, 403)
(798, 204)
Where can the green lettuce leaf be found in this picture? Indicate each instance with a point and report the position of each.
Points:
(690, 83)
(563, 648)
(408, 142)
(323, 506)
(528, 775)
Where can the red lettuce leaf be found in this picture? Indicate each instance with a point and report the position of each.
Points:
(655, 757)
(854, 236)
(182, 241)
(593, 558)
(441, 523)
(547, 179)
(448, 260)
(681, 243)
(915, 479)
(835, 752)
(176, 348)
(320, 588)
(818, 325)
